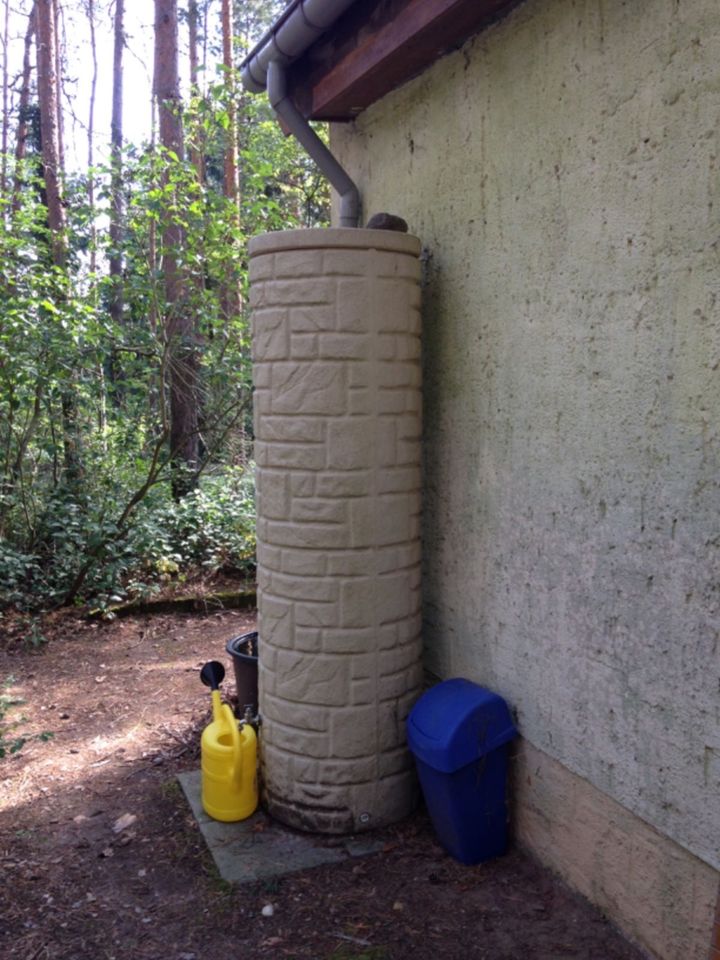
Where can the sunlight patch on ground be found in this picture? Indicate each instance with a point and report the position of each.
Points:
(74, 763)
(115, 711)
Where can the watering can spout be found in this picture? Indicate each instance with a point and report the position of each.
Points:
(229, 758)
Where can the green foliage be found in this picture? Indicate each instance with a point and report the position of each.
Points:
(34, 638)
(86, 512)
(10, 742)
(212, 529)
(280, 183)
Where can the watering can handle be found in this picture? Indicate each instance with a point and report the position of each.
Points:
(223, 715)
(236, 742)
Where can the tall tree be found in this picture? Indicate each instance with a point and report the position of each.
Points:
(231, 288)
(196, 146)
(5, 100)
(90, 10)
(116, 161)
(91, 13)
(181, 353)
(48, 97)
(230, 160)
(58, 75)
(23, 107)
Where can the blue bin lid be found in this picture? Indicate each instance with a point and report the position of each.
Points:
(457, 722)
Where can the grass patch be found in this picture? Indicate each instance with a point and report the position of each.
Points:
(350, 952)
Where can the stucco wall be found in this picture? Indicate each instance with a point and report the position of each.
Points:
(561, 170)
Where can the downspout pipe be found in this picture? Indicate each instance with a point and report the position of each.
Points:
(296, 123)
(296, 29)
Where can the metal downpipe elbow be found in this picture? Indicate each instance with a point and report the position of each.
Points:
(300, 128)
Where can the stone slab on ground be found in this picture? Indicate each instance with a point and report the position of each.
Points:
(259, 848)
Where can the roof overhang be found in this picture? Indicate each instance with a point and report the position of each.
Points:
(377, 45)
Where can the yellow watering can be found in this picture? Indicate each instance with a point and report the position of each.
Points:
(229, 757)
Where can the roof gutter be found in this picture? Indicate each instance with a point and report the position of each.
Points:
(298, 27)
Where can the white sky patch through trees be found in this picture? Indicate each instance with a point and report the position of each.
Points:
(78, 70)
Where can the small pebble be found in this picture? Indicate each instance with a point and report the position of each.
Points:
(123, 822)
(268, 910)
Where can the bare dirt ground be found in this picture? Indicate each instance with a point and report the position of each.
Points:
(125, 706)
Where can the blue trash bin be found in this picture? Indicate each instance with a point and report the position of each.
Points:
(458, 733)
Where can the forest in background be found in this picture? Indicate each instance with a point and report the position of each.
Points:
(125, 390)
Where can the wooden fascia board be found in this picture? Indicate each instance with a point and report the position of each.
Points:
(385, 57)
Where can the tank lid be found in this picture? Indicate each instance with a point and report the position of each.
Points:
(334, 238)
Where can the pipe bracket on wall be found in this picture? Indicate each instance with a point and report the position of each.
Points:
(300, 128)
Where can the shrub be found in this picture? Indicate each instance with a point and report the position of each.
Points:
(211, 529)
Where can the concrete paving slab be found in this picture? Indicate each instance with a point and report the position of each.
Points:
(260, 848)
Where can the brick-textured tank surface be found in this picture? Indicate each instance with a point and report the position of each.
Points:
(336, 367)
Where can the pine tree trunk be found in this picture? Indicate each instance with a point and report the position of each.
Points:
(182, 361)
(115, 264)
(23, 104)
(49, 130)
(5, 103)
(48, 97)
(91, 137)
(58, 74)
(230, 160)
(231, 293)
(102, 405)
(197, 153)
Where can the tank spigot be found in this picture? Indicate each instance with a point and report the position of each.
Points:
(254, 721)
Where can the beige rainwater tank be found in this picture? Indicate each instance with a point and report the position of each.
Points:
(336, 368)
